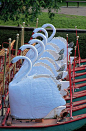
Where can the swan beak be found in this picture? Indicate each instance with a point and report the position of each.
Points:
(21, 49)
(12, 61)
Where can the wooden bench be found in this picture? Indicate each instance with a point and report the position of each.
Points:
(75, 2)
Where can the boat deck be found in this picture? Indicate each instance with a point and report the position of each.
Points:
(15, 123)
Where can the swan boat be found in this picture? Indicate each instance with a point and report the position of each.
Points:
(72, 118)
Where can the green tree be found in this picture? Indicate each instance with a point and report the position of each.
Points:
(26, 9)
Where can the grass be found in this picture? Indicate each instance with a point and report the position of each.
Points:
(59, 21)
(64, 21)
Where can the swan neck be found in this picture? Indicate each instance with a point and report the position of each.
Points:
(34, 50)
(35, 54)
(27, 70)
(53, 28)
(42, 49)
(41, 35)
(41, 29)
(52, 35)
(40, 43)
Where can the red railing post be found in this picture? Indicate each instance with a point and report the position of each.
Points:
(78, 49)
(70, 88)
(74, 70)
(67, 50)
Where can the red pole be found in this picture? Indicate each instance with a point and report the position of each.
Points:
(78, 49)
(70, 88)
(67, 50)
(74, 70)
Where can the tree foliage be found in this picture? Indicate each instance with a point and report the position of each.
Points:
(26, 9)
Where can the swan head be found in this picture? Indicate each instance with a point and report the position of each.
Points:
(15, 59)
(23, 47)
(48, 24)
(41, 29)
(53, 28)
(41, 45)
(25, 72)
(41, 35)
(36, 41)
(33, 41)
(27, 46)
(33, 55)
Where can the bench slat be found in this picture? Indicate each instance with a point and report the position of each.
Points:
(76, 2)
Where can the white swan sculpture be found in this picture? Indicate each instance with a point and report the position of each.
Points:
(61, 75)
(53, 44)
(46, 34)
(33, 97)
(49, 64)
(46, 58)
(57, 40)
(38, 45)
(33, 58)
(46, 62)
(39, 69)
(53, 34)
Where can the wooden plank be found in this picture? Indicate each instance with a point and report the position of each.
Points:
(76, 103)
(79, 80)
(9, 121)
(39, 120)
(80, 85)
(80, 74)
(76, 108)
(5, 117)
(77, 95)
(79, 68)
(81, 61)
(48, 122)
